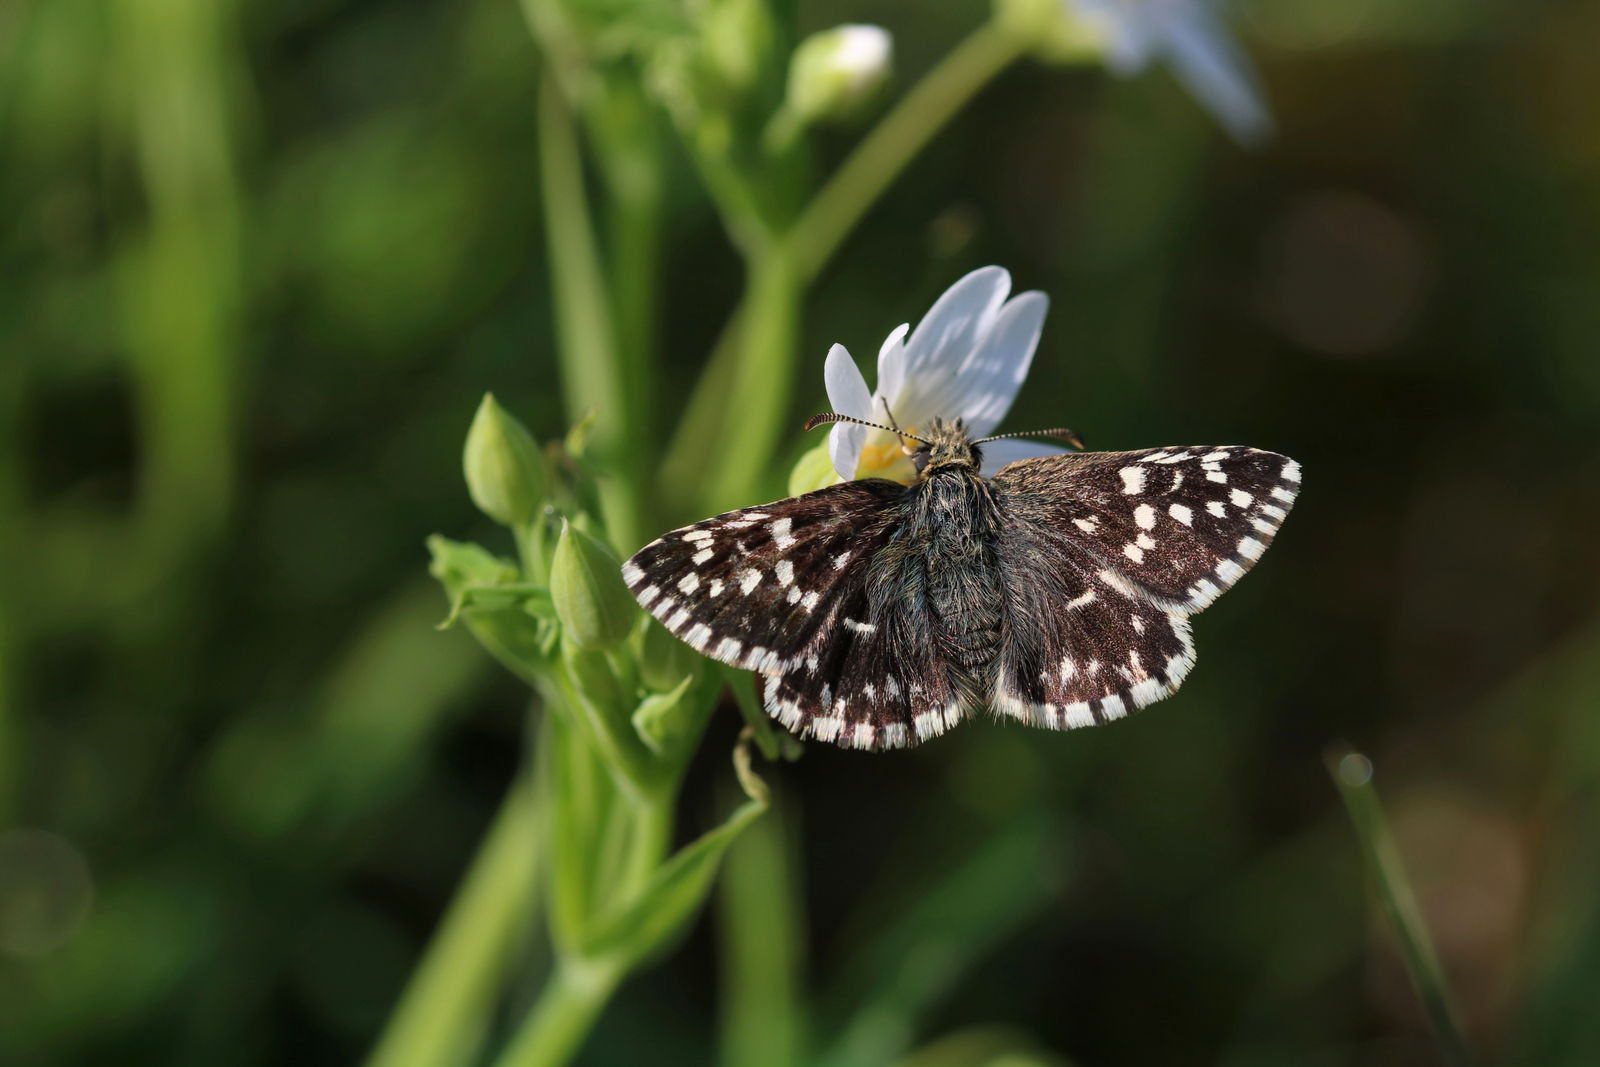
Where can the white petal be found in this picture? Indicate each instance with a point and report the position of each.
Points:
(1216, 71)
(847, 392)
(945, 337)
(892, 364)
(847, 389)
(997, 454)
(987, 383)
(844, 448)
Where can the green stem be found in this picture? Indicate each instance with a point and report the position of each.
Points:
(878, 160)
(446, 1007)
(762, 382)
(591, 375)
(1352, 773)
(652, 837)
(567, 1010)
(759, 918)
(695, 440)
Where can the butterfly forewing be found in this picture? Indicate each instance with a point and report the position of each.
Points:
(784, 589)
(1179, 524)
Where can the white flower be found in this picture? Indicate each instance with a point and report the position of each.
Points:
(1189, 36)
(966, 359)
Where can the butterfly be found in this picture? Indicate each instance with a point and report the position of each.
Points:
(1058, 592)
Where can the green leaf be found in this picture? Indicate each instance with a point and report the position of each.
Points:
(663, 720)
(649, 922)
(524, 596)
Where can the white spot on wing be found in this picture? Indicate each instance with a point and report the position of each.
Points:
(1145, 541)
(1250, 548)
(702, 555)
(648, 595)
(1218, 508)
(1089, 525)
(1216, 476)
(715, 588)
(632, 574)
(728, 651)
(860, 627)
(1132, 479)
(698, 637)
(1112, 707)
(1291, 471)
(809, 601)
(1081, 601)
(784, 570)
(840, 560)
(780, 533)
(1182, 514)
(749, 580)
(1229, 571)
(699, 536)
(1241, 499)
(1133, 552)
(1117, 582)
(689, 583)
(1145, 516)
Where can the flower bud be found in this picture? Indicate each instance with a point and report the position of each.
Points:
(664, 661)
(833, 73)
(594, 606)
(505, 474)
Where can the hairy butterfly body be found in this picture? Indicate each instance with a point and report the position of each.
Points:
(1056, 593)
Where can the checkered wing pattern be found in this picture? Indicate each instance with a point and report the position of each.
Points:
(1103, 558)
(787, 590)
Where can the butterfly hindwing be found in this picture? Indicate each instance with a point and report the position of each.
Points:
(1076, 650)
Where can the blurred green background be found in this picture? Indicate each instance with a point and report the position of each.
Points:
(261, 260)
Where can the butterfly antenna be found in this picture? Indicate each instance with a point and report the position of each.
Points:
(822, 420)
(1060, 434)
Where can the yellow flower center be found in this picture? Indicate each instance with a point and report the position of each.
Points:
(883, 458)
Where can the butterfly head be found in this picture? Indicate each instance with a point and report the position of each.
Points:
(947, 446)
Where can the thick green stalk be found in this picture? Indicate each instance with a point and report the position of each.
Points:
(566, 1011)
(179, 279)
(591, 372)
(446, 1008)
(1352, 773)
(695, 440)
(759, 918)
(762, 384)
(878, 160)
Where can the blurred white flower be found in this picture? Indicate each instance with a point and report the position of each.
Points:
(1190, 36)
(966, 359)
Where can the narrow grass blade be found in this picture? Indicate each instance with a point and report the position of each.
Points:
(1352, 773)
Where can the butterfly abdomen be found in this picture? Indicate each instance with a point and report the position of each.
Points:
(956, 528)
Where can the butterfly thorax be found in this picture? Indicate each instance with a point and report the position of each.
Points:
(949, 543)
